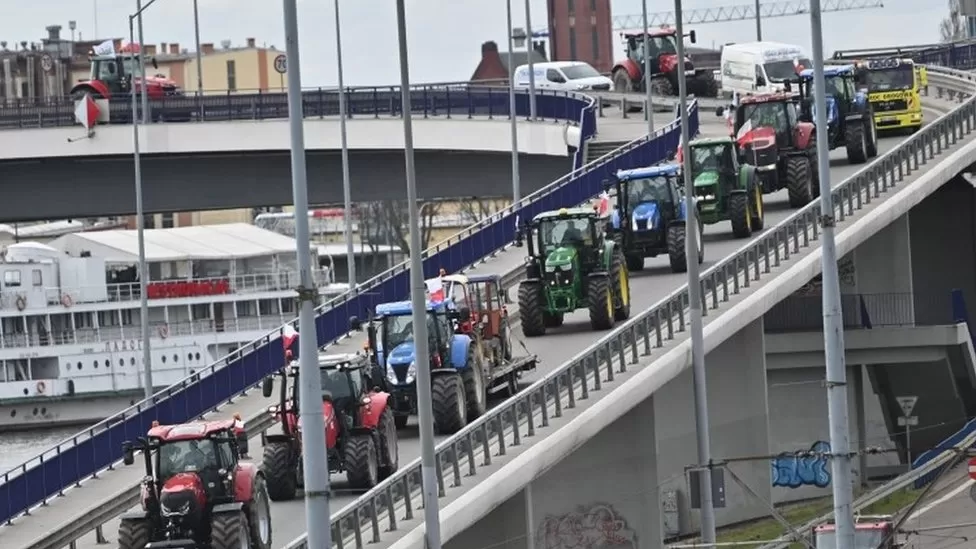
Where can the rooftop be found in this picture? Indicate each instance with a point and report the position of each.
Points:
(398, 308)
(567, 212)
(207, 242)
(705, 141)
(648, 172)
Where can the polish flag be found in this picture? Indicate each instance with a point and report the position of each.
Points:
(435, 290)
(748, 134)
(288, 336)
(603, 206)
(679, 158)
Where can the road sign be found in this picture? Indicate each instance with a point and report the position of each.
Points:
(908, 421)
(47, 63)
(281, 64)
(972, 468)
(907, 404)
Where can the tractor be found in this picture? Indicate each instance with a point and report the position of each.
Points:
(724, 188)
(457, 370)
(850, 117)
(360, 436)
(198, 492)
(870, 532)
(112, 75)
(571, 264)
(782, 148)
(628, 74)
(649, 216)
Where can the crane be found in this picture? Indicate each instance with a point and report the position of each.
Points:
(740, 12)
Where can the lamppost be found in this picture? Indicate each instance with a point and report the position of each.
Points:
(531, 50)
(513, 42)
(418, 305)
(315, 460)
(758, 22)
(199, 56)
(649, 111)
(346, 185)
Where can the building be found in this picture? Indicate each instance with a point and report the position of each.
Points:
(494, 65)
(244, 69)
(581, 30)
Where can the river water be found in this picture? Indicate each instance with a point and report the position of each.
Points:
(17, 447)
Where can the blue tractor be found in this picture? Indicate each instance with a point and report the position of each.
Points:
(850, 118)
(458, 386)
(649, 216)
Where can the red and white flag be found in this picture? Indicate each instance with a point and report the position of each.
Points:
(748, 134)
(603, 206)
(435, 289)
(679, 158)
(288, 336)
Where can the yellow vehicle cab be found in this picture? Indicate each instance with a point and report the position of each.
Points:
(894, 87)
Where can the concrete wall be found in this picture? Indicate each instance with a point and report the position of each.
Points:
(880, 269)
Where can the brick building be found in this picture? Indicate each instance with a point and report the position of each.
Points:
(581, 30)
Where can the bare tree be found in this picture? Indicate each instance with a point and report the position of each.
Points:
(372, 233)
(397, 216)
(953, 26)
(475, 209)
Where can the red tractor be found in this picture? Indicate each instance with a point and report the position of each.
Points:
(360, 433)
(197, 492)
(112, 75)
(628, 75)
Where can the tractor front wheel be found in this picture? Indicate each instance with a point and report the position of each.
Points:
(798, 181)
(739, 215)
(600, 296)
(622, 82)
(229, 531)
(872, 136)
(857, 142)
(362, 460)
(259, 515)
(277, 465)
(449, 404)
(620, 280)
(532, 308)
(758, 210)
(676, 247)
(389, 443)
(134, 533)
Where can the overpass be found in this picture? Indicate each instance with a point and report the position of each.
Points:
(765, 256)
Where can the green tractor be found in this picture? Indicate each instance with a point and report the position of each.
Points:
(725, 189)
(572, 264)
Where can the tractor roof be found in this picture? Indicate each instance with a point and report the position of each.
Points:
(191, 431)
(767, 98)
(565, 212)
(328, 362)
(660, 31)
(830, 71)
(484, 278)
(401, 308)
(648, 172)
(711, 141)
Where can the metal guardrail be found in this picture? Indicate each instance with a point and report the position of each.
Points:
(360, 522)
(805, 312)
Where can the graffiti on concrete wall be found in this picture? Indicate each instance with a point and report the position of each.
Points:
(793, 471)
(597, 526)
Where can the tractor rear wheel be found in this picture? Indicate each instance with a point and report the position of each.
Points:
(798, 181)
(361, 459)
(740, 215)
(389, 443)
(280, 471)
(449, 404)
(676, 247)
(857, 142)
(259, 515)
(622, 82)
(600, 296)
(620, 281)
(661, 86)
(532, 308)
(229, 531)
(872, 136)
(134, 533)
(475, 391)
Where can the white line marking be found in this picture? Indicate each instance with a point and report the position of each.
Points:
(953, 493)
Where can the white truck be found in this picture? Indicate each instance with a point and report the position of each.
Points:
(759, 67)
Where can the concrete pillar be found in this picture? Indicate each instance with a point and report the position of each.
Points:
(885, 284)
(739, 418)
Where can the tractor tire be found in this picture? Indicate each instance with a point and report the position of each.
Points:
(635, 262)
(229, 531)
(552, 320)
(532, 308)
(661, 87)
(600, 296)
(676, 248)
(134, 533)
(259, 515)
(282, 477)
(620, 282)
(401, 421)
(622, 82)
(448, 401)
(389, 443)
(475, 389)
(872, 136)
(361, 458)
(857, 143)
(740, 215)
(701, 241)
(758, 210)
(799, 184)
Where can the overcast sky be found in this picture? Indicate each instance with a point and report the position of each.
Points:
(445, 36)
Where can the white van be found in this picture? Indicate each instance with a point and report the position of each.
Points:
(759, 67)
(564, 76)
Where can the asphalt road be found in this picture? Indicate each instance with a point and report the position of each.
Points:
(947, 518)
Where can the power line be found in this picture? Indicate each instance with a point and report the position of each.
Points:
(740, 12)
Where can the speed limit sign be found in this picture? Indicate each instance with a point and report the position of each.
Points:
(281, 64)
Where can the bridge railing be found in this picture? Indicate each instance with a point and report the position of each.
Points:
(459, 457)
(805, 312)
(97, 448)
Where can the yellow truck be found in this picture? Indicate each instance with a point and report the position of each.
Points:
(893, 90)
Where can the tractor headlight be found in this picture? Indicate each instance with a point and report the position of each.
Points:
(411, 373)
(391, 375)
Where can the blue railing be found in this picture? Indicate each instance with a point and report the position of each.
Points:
(959, 55)
(96, 448)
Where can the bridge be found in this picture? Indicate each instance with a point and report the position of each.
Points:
(558, 424)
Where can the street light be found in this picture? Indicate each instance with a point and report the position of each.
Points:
(513, 42)
(531, 50)
(196, 35)
(315, 460)
(649, 111)
(346, 185)
(418, 305)
(758, 22)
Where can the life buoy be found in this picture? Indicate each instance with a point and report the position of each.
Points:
(41, 387)
(21, 303)
(66, 300)
(164, 331)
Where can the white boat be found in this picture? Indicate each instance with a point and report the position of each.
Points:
(70, 334)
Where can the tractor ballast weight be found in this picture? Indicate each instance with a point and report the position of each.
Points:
(724, 188)
(360, 434)
(572, 263)
(198, 492)
(850, 117)
(628, 74)
(648, 217)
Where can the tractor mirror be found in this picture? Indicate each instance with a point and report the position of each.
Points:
(267, 387)
(464, 314)
(355, 324)
(242, 443)
(692, 37)
(128, 456)
(155, 65)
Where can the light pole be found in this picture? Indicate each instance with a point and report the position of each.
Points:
(199, 56)
(140, 214)
(314, 458)
(346, 185)
(695, 302)
(649, 111)
(758, 22)
(516, 184)
(418, 303)
(142, 61)
(531, 50)
(833, 328)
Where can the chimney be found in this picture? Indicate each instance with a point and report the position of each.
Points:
(174, 48)
(207, 48)
(250, 43)
(488, 48)
(150, 49)
(53, 33)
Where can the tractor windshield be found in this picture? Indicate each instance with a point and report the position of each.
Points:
(771, 115)
(901, 77)
(658, 45)
(398, 329)
(341, 383)
(835, 87)
(863, 539)
(186, 456)
(555, 233)
(653, 189)
(711, 158)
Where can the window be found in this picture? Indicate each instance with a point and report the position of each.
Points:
(572, 43)
(572, 7)
(231, 75)
(592, 6)
(167, 221)
(37, 277)
(11, 278)
(149, 221)
(553, 75)
(596, 44)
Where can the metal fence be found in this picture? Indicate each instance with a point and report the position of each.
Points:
(799, 313)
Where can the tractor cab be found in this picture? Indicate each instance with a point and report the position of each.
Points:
(489, 316)
(564, 237)
(648, 199)
(777, 111)
(113, 73)
(714, 165)
(455, 288)
(843, 94)
(661, 45)
(870, 532)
